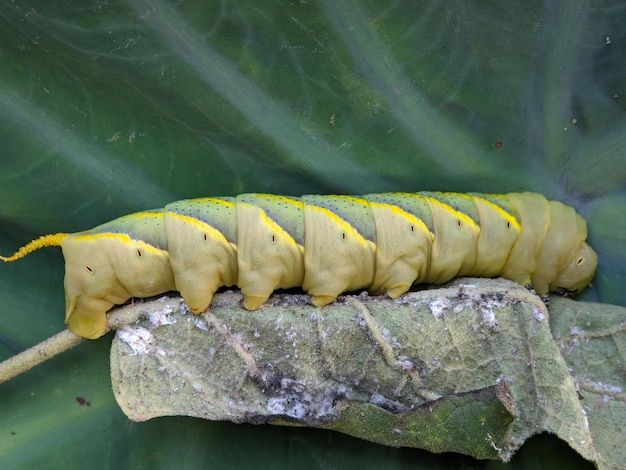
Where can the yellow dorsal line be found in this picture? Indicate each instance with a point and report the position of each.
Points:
(54, 239)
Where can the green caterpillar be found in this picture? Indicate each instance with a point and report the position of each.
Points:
(327, 245)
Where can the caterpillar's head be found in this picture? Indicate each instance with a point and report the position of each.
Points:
(107, 269)
(578, 273)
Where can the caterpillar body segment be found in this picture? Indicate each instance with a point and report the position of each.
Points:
(270, 246)
(202, 244)
(106, 267)
(327, 245)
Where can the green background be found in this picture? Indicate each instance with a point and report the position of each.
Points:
(111, 107)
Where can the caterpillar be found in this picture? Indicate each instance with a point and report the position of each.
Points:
(326, 245)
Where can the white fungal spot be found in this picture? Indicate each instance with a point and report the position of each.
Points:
(439, 306)
(162, 317)
(139, 339)
(201, 325)
(384, 402)
(489, 317)
(468, 286)
(538, 314)
(296, 401)
(184, 308)
(458, 308)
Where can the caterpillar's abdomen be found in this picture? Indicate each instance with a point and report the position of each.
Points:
(327, 245)
(333, 244)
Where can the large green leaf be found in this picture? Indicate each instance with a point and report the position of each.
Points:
(111, 107)
(471, 367)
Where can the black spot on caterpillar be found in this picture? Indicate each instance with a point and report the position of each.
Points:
(327, 245)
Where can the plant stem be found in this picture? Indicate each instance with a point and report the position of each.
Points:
(38, 354)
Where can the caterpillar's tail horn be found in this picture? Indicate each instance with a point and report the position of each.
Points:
(54, 239)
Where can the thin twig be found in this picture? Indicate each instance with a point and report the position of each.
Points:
(38, 354)
(61, 342)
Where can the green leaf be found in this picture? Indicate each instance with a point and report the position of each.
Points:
(472, 368)
(111, 107)
(592, 340)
